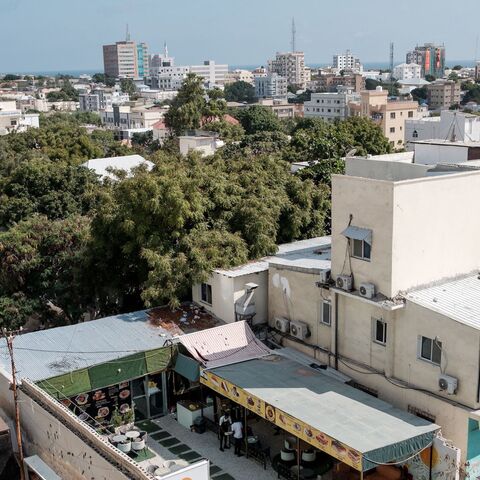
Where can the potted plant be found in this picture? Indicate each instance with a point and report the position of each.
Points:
(129, 418)
(117, 420)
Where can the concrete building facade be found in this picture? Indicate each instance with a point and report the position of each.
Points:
(407, 71)
(443, 94)
(430, 57)
(271, 86)
(213, 74)
(290, 65)
(330, 106)
(347, 61)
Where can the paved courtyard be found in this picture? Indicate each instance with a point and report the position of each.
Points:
(171, 441)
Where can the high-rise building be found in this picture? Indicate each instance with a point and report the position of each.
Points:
(347, 61)
(161, 60)
(430, 57)
(289, 65)
(126, 59)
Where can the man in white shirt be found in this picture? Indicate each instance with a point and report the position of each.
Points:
(224, 429)
(237, 429)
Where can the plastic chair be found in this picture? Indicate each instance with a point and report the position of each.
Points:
(125, 447)
(138, 445)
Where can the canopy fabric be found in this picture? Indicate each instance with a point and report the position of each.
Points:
(224, 345)
(187, 367)
(108, 373)
(357, 233)
(347, 423)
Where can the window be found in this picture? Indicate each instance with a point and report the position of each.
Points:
(392, 129)
(430, 350)
(379, 331)
(410, 114)
(392, 115)
(326, 312)
(361, 249)
(206, 293)
(415, 134)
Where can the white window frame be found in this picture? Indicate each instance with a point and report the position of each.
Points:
(207, 288)
(420, 352)
(322, 313)
(375, 323)
(362, 256)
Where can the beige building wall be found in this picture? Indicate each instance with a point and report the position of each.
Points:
(294, 295)
(415, 225)
(226, 290)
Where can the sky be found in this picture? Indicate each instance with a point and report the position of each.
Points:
(54, 35)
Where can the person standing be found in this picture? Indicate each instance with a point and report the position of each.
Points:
(224, 424)
(237, 429)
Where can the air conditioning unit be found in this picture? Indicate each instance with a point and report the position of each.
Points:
(299, 330)
(448, 384)
(367, 290)
(345, 282)
(282, 324)
(324, 277)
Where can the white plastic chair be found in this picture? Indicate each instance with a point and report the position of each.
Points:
(124, 447)
(138, 445)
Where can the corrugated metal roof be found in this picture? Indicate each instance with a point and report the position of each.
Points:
(457, 299)
(224, 345)
(48, 353)
(347, 414)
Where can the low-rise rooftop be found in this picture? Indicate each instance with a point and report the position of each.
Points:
(104, 167)
(458, 299)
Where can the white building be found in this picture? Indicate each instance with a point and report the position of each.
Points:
(124, 117)
(450, 125)
(168, 77)
(13, 120)
(407, 71)
(99, 99)
(204, 144)
(331, 106)
(290, 65)
(347, 61)
(271, 86)
(239, 75)
(213, 74)
(105, 167)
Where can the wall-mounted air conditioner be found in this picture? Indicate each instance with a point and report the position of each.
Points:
(448, 384)
(367, 290)
(281, 324)
(345, 282)
(299, 330)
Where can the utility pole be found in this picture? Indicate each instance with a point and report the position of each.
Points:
(9, 337)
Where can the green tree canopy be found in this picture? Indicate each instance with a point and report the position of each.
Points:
(53, 189)
(127, 85)
(240, 92)
(258, 118)
(40, 271)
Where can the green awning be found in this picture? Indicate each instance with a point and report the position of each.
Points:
(109, 373)
(187, 367)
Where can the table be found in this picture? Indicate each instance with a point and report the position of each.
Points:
(133, 434)
(160, 471)
(119, 438)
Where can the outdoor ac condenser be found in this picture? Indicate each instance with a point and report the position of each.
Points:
(282, 324)
(299, 330)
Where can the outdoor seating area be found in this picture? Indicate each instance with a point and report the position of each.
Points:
(131, 441)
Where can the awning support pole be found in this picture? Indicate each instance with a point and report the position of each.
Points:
(431, 462)
(245, 435)
(298, 458)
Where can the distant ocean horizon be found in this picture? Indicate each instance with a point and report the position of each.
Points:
(91, 71)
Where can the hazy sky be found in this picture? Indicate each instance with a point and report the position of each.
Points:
(42, 35)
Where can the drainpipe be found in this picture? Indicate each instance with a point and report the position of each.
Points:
(336, 331)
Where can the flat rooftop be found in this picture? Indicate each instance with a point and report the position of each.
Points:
(458, 299)
(313, 253)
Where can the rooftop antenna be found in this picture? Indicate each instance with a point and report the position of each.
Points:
(165, 50)
(294, 32)
(391, 58)
(127, 34)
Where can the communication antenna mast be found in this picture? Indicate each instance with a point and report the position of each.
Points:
(391, 59)
(127, 34)
(294, 32)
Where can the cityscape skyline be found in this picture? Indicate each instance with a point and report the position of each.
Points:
(250, 44)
